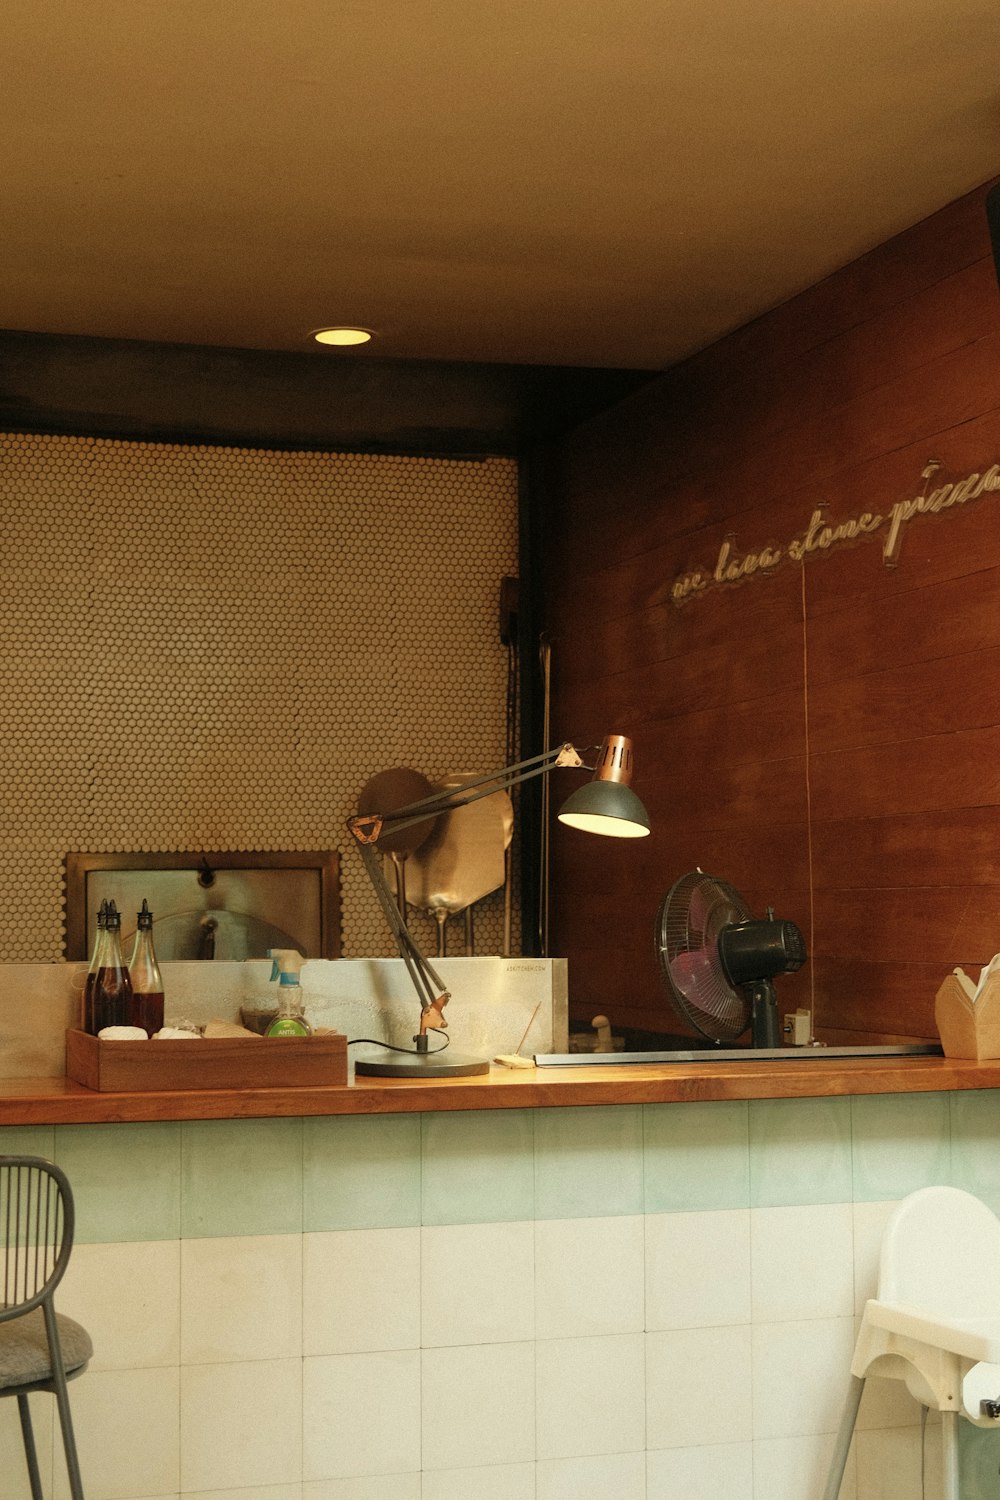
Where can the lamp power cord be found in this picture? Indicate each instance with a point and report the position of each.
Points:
(410, 1051)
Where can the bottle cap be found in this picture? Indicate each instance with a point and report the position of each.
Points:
(112, 917)
(144, 918)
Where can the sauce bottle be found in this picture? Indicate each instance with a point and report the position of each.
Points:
(112, 988)
(146, 1005)
(96, 961)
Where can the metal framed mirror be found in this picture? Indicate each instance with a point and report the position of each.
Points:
(211, 905)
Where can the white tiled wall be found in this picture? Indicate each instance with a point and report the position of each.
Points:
(659, 1356)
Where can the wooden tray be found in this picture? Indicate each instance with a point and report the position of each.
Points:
(967, 1029)
(210, 1063)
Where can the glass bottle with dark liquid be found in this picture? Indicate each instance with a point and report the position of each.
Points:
(146, 1006)
(112, 988)
(96, 962)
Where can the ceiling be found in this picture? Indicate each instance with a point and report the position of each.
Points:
(560, 182)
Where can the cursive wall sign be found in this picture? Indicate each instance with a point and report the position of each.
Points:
(821, 534)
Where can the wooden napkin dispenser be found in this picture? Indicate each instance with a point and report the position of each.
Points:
(209, 1063)
(968, 1028)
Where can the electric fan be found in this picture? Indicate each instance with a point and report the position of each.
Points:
(719, 962)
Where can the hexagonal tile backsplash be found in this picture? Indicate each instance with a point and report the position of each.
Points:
(215, 648)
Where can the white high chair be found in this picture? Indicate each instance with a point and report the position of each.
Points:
(935, 1323)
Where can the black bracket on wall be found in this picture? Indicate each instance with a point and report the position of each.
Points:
(993, 219)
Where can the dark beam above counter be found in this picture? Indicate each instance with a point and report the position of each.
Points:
(354, 402)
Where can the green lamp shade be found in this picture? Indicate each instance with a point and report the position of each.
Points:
(607, 807)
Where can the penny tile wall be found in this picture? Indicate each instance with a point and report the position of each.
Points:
(215, 648)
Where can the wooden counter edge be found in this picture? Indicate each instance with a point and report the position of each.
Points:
(60, 1101)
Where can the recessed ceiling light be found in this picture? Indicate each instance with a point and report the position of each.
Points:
(343, 337)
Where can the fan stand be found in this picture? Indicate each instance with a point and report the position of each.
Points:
(764, 1014)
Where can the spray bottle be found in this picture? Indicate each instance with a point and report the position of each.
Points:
(290, 1020)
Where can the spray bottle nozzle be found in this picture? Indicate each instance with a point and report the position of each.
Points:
(285, 961)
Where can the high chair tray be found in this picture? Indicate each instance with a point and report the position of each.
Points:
(975, 1338)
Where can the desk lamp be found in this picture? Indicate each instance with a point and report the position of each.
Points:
(606, 804)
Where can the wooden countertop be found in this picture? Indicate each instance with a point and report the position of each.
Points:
(60, 1101)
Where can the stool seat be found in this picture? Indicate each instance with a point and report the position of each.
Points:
(24, 1350)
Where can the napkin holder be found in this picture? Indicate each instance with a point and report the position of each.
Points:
(277, 1062)
(969, 1028)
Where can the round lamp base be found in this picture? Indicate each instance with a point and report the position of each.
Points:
(437, 1064)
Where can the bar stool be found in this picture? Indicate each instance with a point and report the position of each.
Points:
(935, 1323)
(40, 1349)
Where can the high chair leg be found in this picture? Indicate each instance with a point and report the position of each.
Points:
(949, 1455)
(842, 1445)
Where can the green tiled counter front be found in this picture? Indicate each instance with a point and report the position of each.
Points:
(237, 1177)
(593, 1268)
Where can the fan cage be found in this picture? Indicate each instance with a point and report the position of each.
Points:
(691, 917)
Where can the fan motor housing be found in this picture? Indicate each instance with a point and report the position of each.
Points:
(760, 949)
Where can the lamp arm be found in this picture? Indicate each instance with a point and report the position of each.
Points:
(367, 828)
(431, 991)
(626, 815)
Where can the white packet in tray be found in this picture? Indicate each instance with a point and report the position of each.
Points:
(993, 967)
(966, 983)
(975, 990)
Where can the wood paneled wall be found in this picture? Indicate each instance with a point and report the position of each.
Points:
(826, 736)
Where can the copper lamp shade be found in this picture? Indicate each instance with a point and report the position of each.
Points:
(607, 804)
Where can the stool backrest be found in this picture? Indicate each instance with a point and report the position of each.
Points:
(36, 1230)
(941, 1253)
